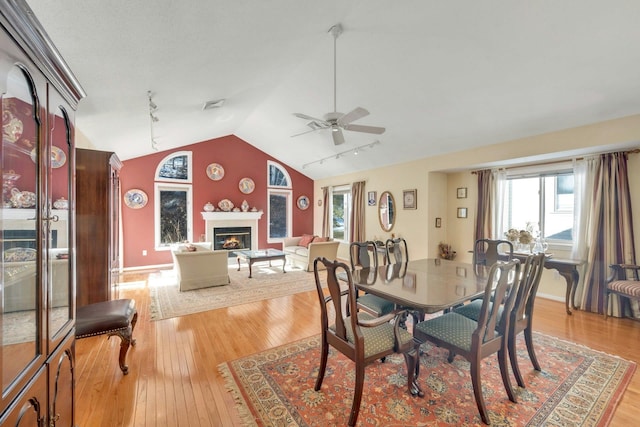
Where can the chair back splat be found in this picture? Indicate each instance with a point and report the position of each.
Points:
(360, 337)
(396, 251)
(488, 252)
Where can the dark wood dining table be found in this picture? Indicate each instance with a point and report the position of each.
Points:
(428, 285)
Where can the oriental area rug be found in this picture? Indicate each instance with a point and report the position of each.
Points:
(576, 387)
(268, 282)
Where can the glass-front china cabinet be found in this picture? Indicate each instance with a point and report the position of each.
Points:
(37, 317)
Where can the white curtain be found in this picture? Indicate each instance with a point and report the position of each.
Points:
(584, 172)
(499, 189)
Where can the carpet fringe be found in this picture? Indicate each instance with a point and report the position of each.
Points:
(246, 418)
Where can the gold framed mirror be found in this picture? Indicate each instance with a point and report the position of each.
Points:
(386, 211)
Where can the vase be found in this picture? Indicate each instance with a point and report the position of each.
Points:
(244, 206)
(209, 207)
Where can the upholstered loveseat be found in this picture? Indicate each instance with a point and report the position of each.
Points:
(302, 250)
(200, 267)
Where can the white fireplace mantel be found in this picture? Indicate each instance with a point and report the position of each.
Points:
(232, 219)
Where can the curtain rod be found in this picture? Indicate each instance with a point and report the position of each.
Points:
(555, 162)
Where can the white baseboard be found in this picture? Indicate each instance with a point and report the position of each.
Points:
(147, 267)
(551, 297)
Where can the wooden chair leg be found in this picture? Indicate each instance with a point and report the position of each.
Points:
(324, 354)
(504, 373)
(528, 337)
(477, 391)
(357, 394)
(513, 357)
(412, 359)
(606, 304)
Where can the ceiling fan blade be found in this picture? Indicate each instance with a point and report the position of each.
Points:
(352, 116)
(338, 137)
(302, 133)
(305, 117)
(363, 128)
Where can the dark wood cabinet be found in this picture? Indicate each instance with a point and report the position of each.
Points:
(37, 220)
(98, 219)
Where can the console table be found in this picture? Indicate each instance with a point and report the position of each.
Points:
(567, 268)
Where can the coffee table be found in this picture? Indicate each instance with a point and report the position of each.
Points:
(260, 255)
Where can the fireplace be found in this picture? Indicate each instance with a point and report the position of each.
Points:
(231, 238)
(234, 220)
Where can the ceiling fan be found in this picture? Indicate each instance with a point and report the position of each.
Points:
(338, 121)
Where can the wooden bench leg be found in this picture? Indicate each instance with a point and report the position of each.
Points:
(126, 339)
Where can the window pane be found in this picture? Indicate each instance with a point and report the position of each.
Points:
(278, 215)
(175, 168)
(338, 216)
(522, 205)
(277, 177)
(173, 217)
(558, 218)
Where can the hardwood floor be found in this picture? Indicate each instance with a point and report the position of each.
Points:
(173, 377)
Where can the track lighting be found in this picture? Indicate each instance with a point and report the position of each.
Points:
(152, 119)
(355, 152)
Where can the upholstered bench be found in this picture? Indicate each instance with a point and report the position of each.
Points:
(116, 317)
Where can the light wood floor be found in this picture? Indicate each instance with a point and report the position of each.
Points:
(173, 377)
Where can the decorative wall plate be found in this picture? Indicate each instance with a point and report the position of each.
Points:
(225, 205)
(246, 185)
(135, 198)
(303, 202)
(215, 172)
(58, 158)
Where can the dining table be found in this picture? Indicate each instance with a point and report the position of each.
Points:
(428, 285)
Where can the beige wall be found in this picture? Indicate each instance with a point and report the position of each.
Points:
(437, 178)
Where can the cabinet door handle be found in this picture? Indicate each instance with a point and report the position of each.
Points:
(53, 218)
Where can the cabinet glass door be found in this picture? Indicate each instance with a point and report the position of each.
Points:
(58, 220)
(20, 291)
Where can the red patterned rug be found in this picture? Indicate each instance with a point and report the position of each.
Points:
(577, 387)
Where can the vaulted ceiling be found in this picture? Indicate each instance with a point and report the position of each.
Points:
(439, 76)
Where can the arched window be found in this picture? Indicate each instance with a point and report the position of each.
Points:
(279, 202)
(173, 200)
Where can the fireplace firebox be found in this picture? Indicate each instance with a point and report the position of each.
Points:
(231, 238)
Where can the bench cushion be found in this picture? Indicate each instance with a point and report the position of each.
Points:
(103, 317)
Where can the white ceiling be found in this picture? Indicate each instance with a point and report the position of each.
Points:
(441, 76)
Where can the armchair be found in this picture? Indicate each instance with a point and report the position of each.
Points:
(624, 281)
(201, 268)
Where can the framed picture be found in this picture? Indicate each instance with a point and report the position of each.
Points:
(372, 197)
(462, 212)
(461, 193)
(409, 199)
(438, 222)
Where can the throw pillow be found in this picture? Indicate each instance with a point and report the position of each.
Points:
(318, 239)
(305, 240)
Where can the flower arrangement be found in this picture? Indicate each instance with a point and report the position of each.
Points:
(446, 252)
(524, 237)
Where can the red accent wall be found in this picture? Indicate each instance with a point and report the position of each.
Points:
(239, 160)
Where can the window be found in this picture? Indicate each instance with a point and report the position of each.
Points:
(176, 167)
(543, 203)
(340, 210)
(279, 200)
(173, 218)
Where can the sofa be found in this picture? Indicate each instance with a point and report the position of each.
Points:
(301, 251)
(197, 266)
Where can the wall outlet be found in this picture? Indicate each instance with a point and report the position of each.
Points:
(144, 252)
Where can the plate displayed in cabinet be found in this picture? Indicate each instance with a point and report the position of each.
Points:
(246, 185)
(58, 158)
(215, 172)
(135, 198)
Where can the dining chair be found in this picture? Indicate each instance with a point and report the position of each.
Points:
(623, 281)
(521, 314)
(364, 255)
(475, 340)
(359, 336)
(398, 249)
